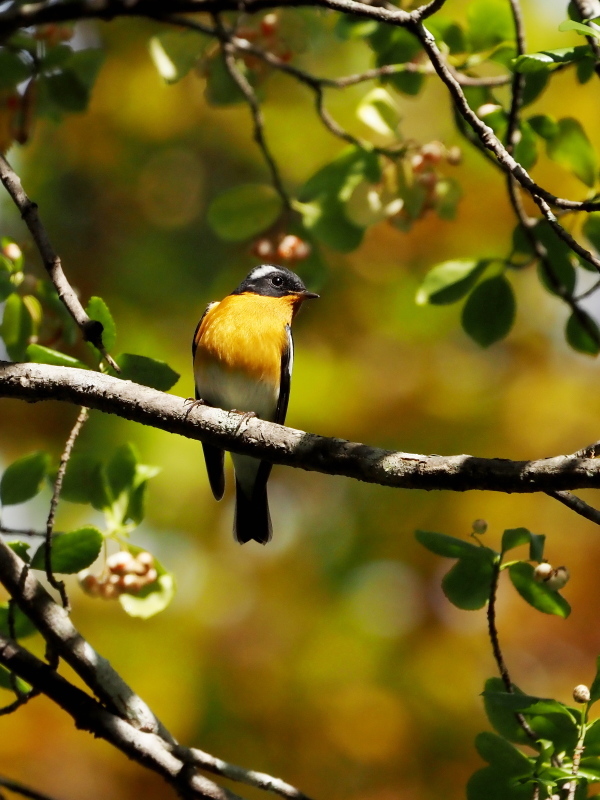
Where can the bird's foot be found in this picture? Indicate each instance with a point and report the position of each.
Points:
(192, 402)
(245, 416)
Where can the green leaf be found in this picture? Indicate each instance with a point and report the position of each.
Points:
(39, 354)
(544, 125)
(13, 69)
(514, 537)
(572, 149)
(409, 83)
(579, 27)
(394, 45)
(147, 371)
(489, 312)
(7, 286)
(528, 704)
(84, 481)
(221, 89)
(447, 546)
(322, 200)
(595, 687)
(153, 598)
(526, 148)
(244, 211)
(6, 682)
(535, 83)
(174, 53)
(591, 229)
(585, 69)
(592, 735)
(535, 62)
(349, 28)
(85, 65)
(536, 548)
(468, 584)
(537, 594)
(583, 337)
(449, 281)
(504, 756)
(491, 783)
(98, 310)
(24, 478)
(21, 549)
(589, 768)
(23, 626)
(71, 552)
(449, 32)
(16, 327)
(448, 193)
(489, 23)
(502, 720)
(379, 111)
(121, 469)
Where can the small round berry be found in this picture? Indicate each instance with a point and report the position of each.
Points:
(542, 572)
(268, 25)
(292, 248)
(89, 583)
(454, 156)
(121, 562)
(581, 694)
(263, 248)
(109, 591)
(131, 583)
(150, 576)
(559, 577)
(12, 251)
(432, 152)
(480, 526)
(417, 162)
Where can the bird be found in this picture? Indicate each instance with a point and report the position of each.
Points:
(243, 354)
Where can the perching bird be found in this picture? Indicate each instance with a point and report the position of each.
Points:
(243, 355)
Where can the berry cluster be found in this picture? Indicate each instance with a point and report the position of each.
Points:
(283, 247)
(124, 573)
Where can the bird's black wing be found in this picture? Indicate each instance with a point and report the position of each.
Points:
(287, 364)
(214, 457)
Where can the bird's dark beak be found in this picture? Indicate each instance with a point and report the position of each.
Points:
(309, 296)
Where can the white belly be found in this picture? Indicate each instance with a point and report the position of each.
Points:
(234, 390)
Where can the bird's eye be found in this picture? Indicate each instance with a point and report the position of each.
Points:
(277, 280)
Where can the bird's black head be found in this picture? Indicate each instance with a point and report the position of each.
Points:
(271, 281)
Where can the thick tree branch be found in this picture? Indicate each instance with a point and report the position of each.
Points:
(110, 717)
(24, 791)
(281, 445)
(91, 329)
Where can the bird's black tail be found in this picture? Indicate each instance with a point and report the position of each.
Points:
(252, 519)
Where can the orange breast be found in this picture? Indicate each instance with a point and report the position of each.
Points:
(246, 333)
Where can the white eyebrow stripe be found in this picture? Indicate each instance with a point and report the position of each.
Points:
(262, 272)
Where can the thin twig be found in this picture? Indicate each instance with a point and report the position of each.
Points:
(24, 791)
(518, 81)
(58, 482)
(586, 13)
(563, 234)
(588, 292)
(577, 753)
(577, 505)
(546, 264)
(246, 89)
(497, 651)
(91, 329)
(20, 531)
(486, 135)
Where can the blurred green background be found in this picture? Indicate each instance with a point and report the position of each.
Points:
(329, 658)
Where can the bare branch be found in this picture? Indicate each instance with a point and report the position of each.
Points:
(257, 116)
(563, 234)
(577, 505)
(280, 445)
(58, 482)
(24, 791)
(91, 329)
(497, 651)
(485, 134)
(53, 623)
(147, 749)
(518, 80)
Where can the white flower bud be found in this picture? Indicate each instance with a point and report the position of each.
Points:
(581, 694)
(480, 526)
(542, 572)
(558, 579)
